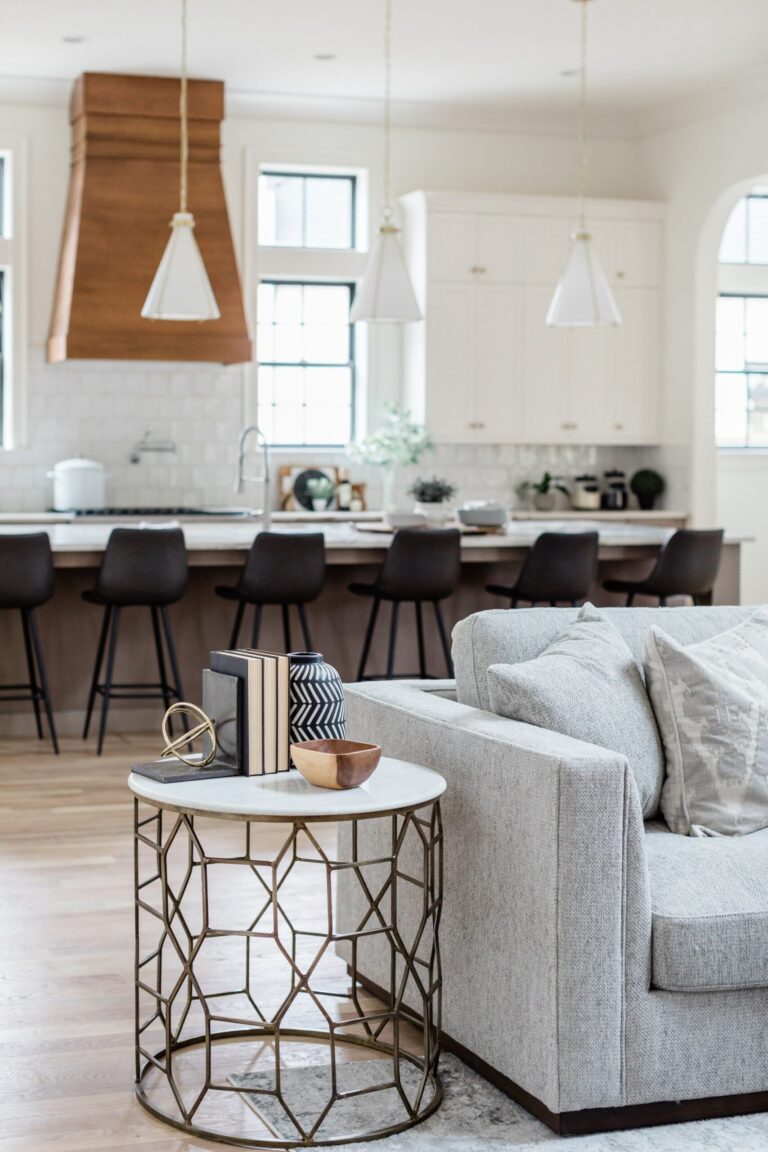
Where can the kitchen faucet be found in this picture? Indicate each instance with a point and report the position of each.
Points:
(263, 477)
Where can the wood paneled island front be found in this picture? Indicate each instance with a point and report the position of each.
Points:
(202, 621)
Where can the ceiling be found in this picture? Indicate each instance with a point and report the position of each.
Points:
(496, 63)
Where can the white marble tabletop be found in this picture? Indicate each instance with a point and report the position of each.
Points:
(394, 786)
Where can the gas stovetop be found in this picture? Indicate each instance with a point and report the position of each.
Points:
(178, 510)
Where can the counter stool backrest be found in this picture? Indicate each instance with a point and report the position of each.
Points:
(26, 570)
(284, 568)
(421, 564)
(145, 566)
(688, 563)
(559, 566)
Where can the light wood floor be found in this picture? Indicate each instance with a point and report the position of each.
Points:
(66, 952)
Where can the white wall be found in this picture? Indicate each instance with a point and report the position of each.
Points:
(102, 408)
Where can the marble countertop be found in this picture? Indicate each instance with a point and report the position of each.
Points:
(228, 536)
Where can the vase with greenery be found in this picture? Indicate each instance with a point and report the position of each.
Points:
(647, 486)
(544, 491)
(433, 498)
(396, 444)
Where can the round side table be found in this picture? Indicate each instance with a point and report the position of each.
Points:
(231, 946)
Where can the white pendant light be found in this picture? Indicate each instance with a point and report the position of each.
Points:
(385, 293)
(583, 297)
(181, 289)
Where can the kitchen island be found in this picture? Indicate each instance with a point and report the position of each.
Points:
(202, 620)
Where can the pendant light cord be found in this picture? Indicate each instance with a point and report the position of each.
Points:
(583, 158)
(387, 208)
(183, 112)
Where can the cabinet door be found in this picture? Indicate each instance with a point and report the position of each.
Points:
(545, 244)
(451, 246)
(496, 342)
(498, 257)
(637, 253)
(590, 370)
(449, 362)
(635, 396)
(545, 383)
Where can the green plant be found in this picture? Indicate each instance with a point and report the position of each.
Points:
(398, 442)
(647, 484)
(432, 491)
(547, 482)
(320, 487)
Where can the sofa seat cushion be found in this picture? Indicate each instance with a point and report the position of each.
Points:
(709, 903)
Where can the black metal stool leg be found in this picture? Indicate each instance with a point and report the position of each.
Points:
(43, 679)
(305, 627)
(97, 669)
(286, 627)
(106, 687)
(392, 639)
(368, 638)
(256, 627)
(236, 626)
(443, 638)
(31, 671)
(420, 640)
(164, 687)
(630, 599)
(177, 689)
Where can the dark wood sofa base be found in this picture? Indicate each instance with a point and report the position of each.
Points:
(589, 1120)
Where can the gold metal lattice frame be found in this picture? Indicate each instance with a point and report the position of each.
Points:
(402, 909)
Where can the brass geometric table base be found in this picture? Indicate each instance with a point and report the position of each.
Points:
(221, 976)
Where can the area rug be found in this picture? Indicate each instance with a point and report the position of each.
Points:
(475, 1117)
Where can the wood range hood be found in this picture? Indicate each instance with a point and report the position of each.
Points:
(123, 191)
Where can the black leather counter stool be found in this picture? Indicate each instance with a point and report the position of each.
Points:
(687, 566)
(285, 568)
(145, 568)
(26, 582)
(421, 565)
(560, 568)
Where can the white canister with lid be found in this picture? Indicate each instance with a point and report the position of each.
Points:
(79, 485)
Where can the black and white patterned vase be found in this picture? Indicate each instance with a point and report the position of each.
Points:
(318, 708)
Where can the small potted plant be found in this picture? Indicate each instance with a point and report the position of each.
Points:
(320, 489)
(647, 485)
(433, 499)
(544, 491)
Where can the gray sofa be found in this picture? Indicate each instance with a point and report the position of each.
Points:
(602, 970)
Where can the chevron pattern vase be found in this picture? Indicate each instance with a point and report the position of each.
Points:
(318, 708)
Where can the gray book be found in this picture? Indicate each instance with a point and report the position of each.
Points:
(172, 771)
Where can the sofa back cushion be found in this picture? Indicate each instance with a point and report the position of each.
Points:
(587, 684)
(507, 636)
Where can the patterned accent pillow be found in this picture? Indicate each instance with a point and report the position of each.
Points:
(711, 706)
(587, 684)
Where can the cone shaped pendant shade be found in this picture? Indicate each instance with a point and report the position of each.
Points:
(385, 293)
(181, 289)
(582, 296)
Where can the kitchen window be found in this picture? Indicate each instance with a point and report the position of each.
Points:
(307, 210)
(306, 363)
(745, 237)
(741, 383)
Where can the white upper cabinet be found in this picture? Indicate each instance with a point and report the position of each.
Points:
(484, 367)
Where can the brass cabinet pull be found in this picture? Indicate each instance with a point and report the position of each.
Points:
(619, 275)
(569, 427)
(476, 424)
(478, 268)
(619, 427)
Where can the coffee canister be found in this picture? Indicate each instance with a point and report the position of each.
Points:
(318, 709)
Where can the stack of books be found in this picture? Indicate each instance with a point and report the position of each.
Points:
(246, 692)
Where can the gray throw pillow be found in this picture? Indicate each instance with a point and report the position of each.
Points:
(587, 684)
(711, 705)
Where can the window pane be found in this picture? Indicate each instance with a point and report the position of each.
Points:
(326, 304)
(265, 303)
(731, 410)
(733, 246)
(328, 212)
(756, 339)
(758, 411)
(730, 333)
(329, 386)
(289, 424)
(288, 304)
(328, 424)
(326, 343)
(288, 343)
(758, 230)
(289, 386)
(281, 210)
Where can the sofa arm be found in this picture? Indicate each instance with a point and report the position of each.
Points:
(547, 914)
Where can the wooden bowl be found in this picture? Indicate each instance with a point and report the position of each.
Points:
(335, 763)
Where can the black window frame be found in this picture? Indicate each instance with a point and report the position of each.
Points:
(351, 363)
(301, 174)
